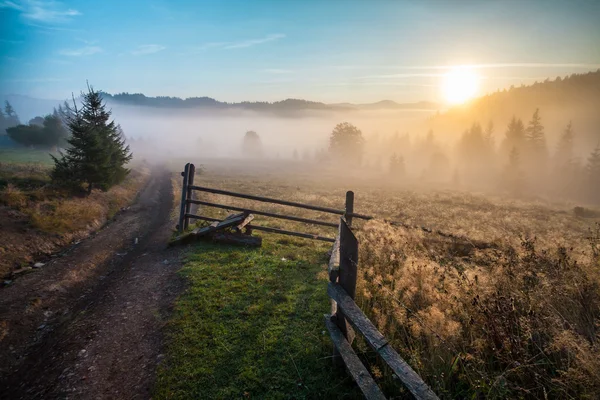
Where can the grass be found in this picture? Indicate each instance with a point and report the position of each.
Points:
(26, 156)
(250, 325)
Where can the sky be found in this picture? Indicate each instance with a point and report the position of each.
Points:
(332, 51)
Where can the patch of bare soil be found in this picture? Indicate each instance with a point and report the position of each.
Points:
(88, 324)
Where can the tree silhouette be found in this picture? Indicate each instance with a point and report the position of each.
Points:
(592, 172)
(252, 145)
(346, 143)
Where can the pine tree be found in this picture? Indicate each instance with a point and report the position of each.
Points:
(397, 169)
(592, 172)
(97, 152)
(488, 136)
(536, 139)
(564, 148)
(513, 174)
(9, 110)
(514, 136)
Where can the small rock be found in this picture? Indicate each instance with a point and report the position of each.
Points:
(166, 262)
(136, 241)
(38, 265)
(7, 282)
(283, 259)
(82, 352)
(121, 254)
(42, 326)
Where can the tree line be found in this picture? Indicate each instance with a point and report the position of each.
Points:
(48, 132)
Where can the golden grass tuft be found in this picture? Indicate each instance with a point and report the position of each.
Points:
(13, 197)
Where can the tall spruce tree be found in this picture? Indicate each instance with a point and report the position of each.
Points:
(514, 136)
(96, 154)
(536, 139)
(592, 170)
(564, 148)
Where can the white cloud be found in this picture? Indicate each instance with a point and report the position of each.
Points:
(254, 42)
(48, 12)
(82, 51)
(148, 49)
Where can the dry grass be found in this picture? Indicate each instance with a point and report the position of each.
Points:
(517, 322)
(39, 218)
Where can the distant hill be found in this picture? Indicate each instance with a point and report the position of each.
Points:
(574, 98)
(139, 99)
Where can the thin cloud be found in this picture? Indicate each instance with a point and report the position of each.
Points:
(38, 11)
(254, 42)
(278, 71)
(82, 51)
(235, 45)
(148, 49)
(474, 66)
(11, 41)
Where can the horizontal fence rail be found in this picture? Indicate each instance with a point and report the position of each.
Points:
(268, 229)
(264, 213)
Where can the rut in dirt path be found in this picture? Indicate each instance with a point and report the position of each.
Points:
(89, 324)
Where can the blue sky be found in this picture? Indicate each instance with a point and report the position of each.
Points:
(332, 51)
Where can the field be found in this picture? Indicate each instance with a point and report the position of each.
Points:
(508, 307)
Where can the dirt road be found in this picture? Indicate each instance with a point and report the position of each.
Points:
(88, 325)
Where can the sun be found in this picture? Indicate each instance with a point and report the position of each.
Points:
(460, 84)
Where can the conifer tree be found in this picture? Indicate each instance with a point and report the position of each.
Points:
(97, 153)
(592, 172)
(564, 148)
(397, 169)
(536, 139)
(514, 136)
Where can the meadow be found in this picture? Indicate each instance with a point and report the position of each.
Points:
(508, 307)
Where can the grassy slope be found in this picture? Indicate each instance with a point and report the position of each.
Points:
(251, 325)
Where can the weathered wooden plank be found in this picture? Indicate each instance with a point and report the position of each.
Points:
(237, 239)
(349, 207)
(184, 191)
(190, 194)
(245, 222)
(272, 230)
(266, 214)
(334, 268)
(413, 382)
(347, 273)
(334, 260)
(269, 200)
(356, 317)
(358, 371)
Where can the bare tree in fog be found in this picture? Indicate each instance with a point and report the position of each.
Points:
(592, 172)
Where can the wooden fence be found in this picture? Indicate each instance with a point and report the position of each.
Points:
(187, 199)
(346, 317)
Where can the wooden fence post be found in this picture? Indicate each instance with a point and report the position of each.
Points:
(349, 207)
(184, 192)
(347, 274)
(189, 194)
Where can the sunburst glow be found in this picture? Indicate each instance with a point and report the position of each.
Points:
(460, 84)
